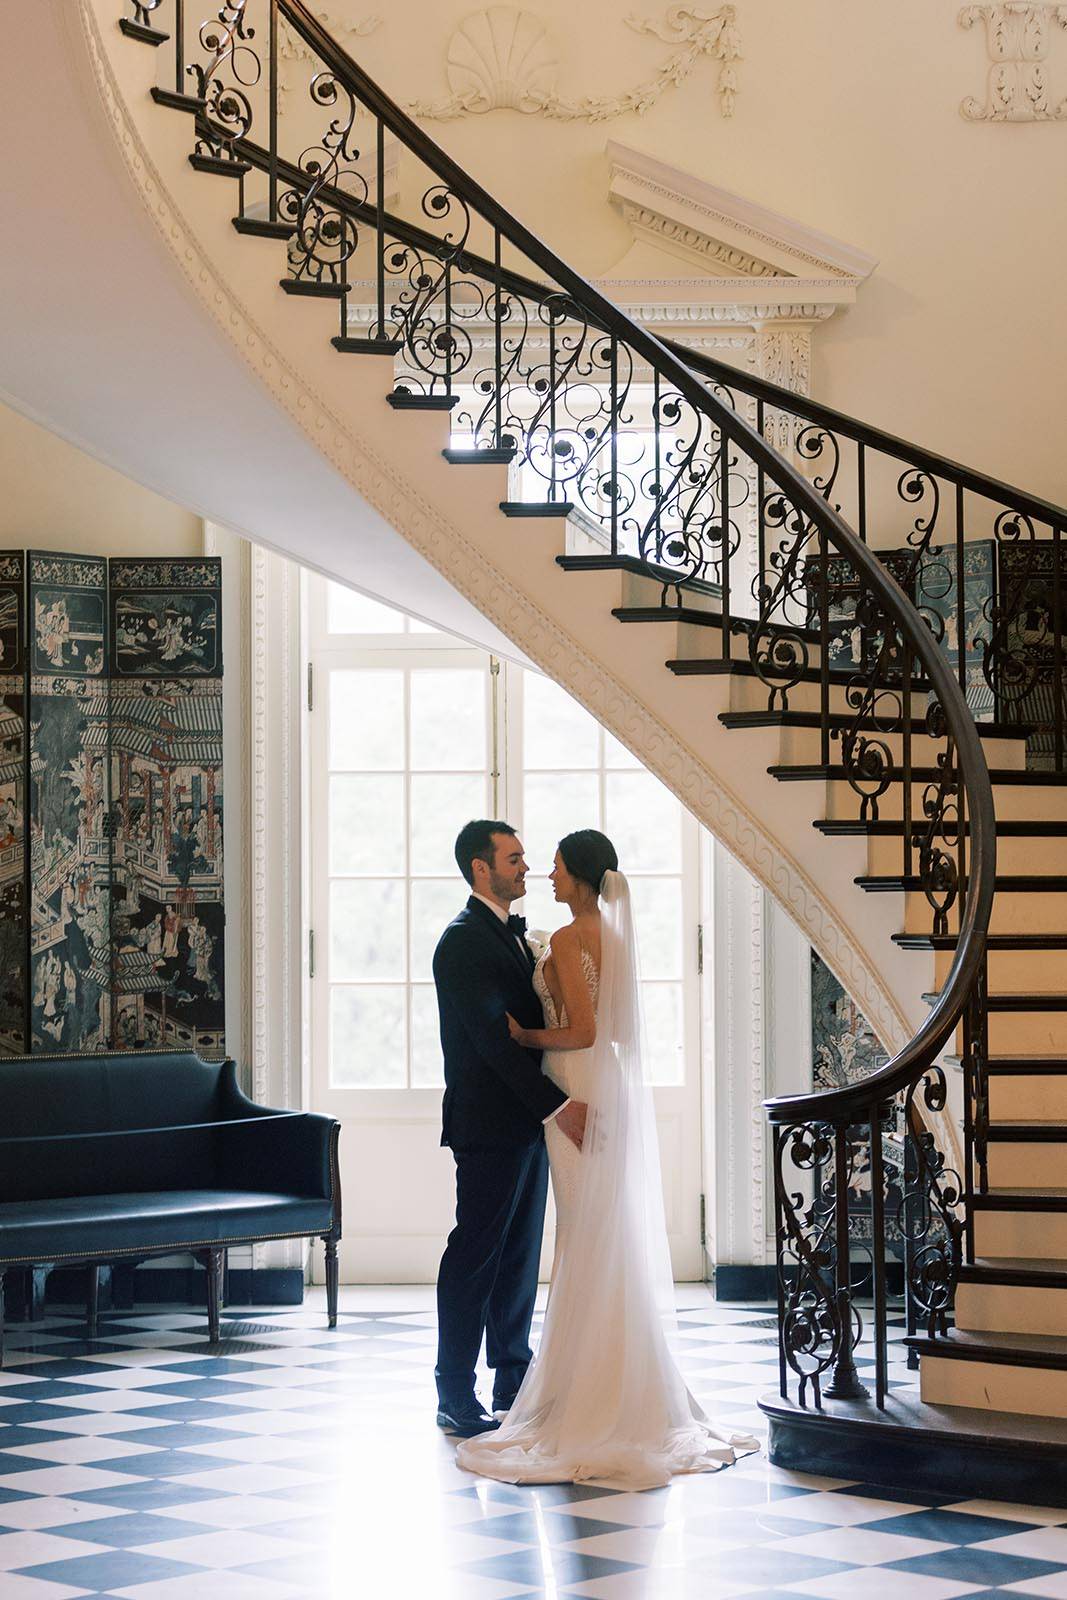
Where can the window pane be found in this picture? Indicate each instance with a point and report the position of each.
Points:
(427, 1065)
(643, 822)
(448, 719)
(366, 822)
(368, 1046)
(366, 930)
(657, 906)
(440, 805)
(616, 754)
(434, 902)
(349, 612)
(556, 804)
(662, 1004)
(557, 731)
(367, 720)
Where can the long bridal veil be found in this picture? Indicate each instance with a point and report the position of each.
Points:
(604, 1398)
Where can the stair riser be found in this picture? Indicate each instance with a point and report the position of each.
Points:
(802, 747)
(992, 1386)
(1014, 855)
(1023, 1033)
(1013, 912)
(635, 590)
(1008, 1308)
(1015, 801)
(1015, 971)
(1032, 1235)
(1041, 1098)
(1028, 1166)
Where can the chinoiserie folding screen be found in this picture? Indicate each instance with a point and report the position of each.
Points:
(111, 903)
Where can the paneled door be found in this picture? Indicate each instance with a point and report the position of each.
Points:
(411, 733)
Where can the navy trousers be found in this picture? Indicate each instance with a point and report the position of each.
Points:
(487, 1282)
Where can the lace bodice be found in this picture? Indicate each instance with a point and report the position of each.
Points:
(544, 993)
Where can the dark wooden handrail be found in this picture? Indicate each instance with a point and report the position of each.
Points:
(854, 1102)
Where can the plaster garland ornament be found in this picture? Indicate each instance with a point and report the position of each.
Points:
(503, 58)
(1018, 35)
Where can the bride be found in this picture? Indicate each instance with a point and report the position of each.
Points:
(603, 1398)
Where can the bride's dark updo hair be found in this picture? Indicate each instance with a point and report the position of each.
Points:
(587, 855)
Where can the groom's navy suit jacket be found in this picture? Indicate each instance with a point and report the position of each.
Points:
(495, 1092)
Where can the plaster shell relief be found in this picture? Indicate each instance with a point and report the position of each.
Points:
(504, 58)
(1018, 36)
(444, 545)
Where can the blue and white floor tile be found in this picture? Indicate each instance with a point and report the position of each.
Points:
(301, 1463)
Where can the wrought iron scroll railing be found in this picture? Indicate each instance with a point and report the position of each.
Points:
(726, 492)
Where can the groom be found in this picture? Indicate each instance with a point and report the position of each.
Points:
(495, 1105)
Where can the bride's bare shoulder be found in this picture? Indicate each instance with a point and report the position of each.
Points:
(565, 937)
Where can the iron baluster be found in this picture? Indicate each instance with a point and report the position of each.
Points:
(615, 409)
(179, 46)
(861, 490)
(724, 507)
(777, 1140)
(961, 595)
(498, 350)
(878, 1284)
(1057, 653)
(823, 570)
(379, 228)
(272, 120)
(845, 1380)
(907, 769)
(657, 482)
(447, 336)
(552, 389)
(761, 521)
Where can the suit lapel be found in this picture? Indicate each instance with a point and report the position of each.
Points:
(499, 930)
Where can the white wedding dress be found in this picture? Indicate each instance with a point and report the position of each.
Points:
(603, 1398)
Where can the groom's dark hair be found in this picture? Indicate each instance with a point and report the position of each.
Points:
(475, 843)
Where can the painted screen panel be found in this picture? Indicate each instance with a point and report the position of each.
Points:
(168, 918)
(70, 849)
(14, 1015)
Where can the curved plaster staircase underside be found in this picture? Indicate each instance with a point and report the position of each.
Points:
(153, 335)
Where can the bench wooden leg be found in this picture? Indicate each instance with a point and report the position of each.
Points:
(213, 1263)
(331, 1280)
(92, 1299)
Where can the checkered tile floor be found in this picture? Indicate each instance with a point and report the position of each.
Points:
(304, 1463)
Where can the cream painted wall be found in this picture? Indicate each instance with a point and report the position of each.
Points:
(847, 119)
(55, 497)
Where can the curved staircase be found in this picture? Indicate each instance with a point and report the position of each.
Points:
(687, 549)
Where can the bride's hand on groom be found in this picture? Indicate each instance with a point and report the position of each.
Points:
(517, 1031)
(571, 1121)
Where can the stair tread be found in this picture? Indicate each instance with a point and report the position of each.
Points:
(994, 941)
(845, 720)
(891, 828)
(1021, 1267)
(1038, 1199)
(790, 773)
(1021, 1065)
(1039, 1349)
(1004, 1131)
(1006, 882)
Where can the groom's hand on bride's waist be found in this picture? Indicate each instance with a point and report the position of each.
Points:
(571, 1121)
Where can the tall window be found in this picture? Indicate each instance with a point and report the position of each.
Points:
(413, 733)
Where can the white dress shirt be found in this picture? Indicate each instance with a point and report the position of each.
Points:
(500, 912)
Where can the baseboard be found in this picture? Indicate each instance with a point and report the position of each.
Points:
(744, 1281)
(274, 1286)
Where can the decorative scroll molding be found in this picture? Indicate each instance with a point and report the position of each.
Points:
(1018, 35)
(504, 58)
(444, 544)
(784, 357)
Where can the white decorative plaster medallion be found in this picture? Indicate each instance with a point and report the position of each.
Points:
(1018, 35)
(504, 58)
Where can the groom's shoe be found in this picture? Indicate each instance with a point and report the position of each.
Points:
(465, 1420)
(502, 1405)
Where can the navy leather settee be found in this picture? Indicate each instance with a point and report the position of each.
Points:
(122, 1156)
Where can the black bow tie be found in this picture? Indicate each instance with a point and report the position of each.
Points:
(517, 925)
